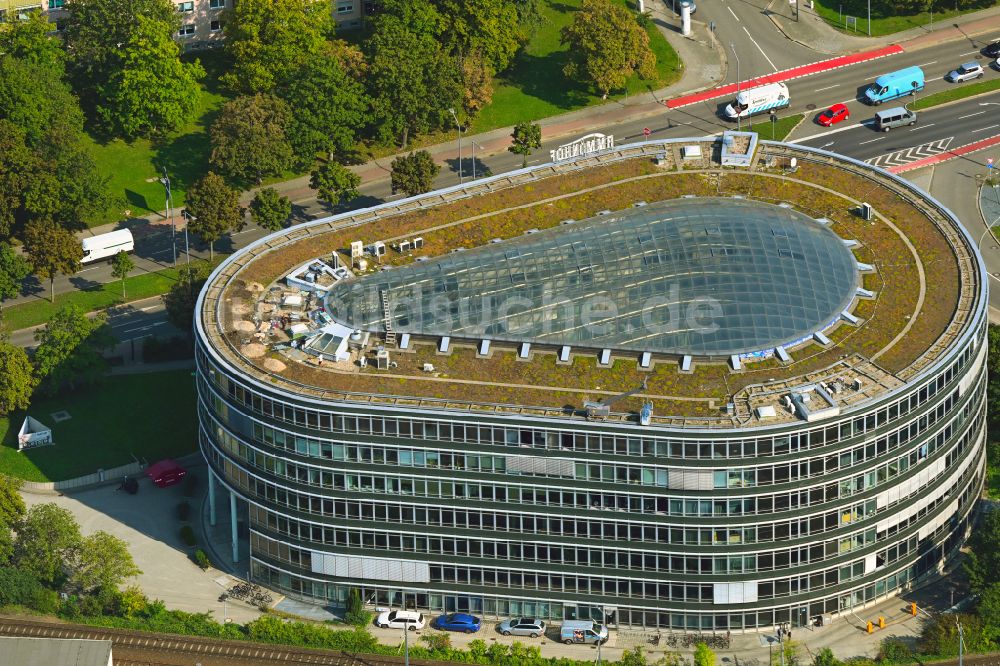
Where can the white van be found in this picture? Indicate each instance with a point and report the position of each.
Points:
(756, 100)
(105, 246)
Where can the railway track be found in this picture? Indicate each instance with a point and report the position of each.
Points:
(142, 648)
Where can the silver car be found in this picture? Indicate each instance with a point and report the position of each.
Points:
(523, 626)
(970, 70)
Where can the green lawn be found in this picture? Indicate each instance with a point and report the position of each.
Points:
(782, 127)
(959, 91)
(141, 286)
(134, 167)
(149, 416)
(834, 11)
(535, 86)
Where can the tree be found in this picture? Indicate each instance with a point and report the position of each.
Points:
(102, 560)
(13, 269)
(28, 37)
(269, 210)
(330, 107)
(606, 46)
(269, 40)
(414, 174)
(152, 92)
(526, 137)
(825, 658)
(215, 208)
(703, 655)
(489, 27)
(411, 78)
(335, 183)
(121, 266)
(34, 98)
(97, 35)
(249, 140)
(52, 250)
(12, 507)
(180, 300)
(633, 657)
(988, 610)
(477, 81)
(70, 350)
(983, 562)
(17, 379)
(47, 537)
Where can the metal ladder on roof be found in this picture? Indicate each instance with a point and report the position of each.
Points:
(390, 335)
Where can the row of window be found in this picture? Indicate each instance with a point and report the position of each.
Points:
(395, 486)
(187, 30)
(608, 473)
(590, 442)
(394, 541)
(188, 5)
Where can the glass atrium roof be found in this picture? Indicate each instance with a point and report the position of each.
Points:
(707, 276)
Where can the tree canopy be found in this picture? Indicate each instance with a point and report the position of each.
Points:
(215, 209)
(526, 137)
(606, 46)
(70, 350)
(102, 560)
(152, 92)
(249, 141)
(335, 183)
(269, 210)
(13, 269)
(269, 40)
(180, 300)
(414, 174)
(47, 536)
(17, 378)
(51, 250)
(30, 39)
(121, 266)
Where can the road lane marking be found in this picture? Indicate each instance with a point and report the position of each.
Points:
(734, 14)
(759, 49)
(977, 113)
(837, 85)
(983, 129)
(863, 123)
(144, 328)
(932, 62)
(871, 141)
(914, 129)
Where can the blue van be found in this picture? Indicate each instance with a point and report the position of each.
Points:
(907, 81)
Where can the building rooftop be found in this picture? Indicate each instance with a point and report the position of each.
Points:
(707, 277)
(50, 651)
(812, 299)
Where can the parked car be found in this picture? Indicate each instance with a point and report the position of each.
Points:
(992, 50)
(400, 619)
(833, 115)
(523, 626)
(458, 622)
(966, 72)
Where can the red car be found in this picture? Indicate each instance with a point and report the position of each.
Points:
(833, 115)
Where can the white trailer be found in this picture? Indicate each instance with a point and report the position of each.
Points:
(105, 246)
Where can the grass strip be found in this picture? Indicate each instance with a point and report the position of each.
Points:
(960, 91)
(836, 13)
(782, 126)
(143, 285)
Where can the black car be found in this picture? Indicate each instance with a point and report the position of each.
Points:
(992, 50)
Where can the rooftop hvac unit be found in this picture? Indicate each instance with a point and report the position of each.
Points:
(856, 385)
(404, 246)
(378, 249)
(866, 212)
(357, 249)
(418, 242)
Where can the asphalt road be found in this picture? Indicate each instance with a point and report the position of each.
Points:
(134, 321)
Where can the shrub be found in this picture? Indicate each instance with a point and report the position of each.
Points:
(175, 348)
(437, 642)
(895, 651)
(183, 511)
(201, 559)
(20, 588)
(133, 601)
(188, 537)
(355, 613)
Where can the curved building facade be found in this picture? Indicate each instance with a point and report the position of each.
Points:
(778, 470)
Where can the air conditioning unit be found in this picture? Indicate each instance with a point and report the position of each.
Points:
(866, 212)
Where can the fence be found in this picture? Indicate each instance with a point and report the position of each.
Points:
(101, 476)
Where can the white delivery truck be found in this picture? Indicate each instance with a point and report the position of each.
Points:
(105, 246)
(757, 100)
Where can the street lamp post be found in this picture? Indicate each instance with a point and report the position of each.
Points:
(461, 176)
(165, 181)
(406, 644)
(474, 146)
(961, 641)
(739, 124)
(188, 217)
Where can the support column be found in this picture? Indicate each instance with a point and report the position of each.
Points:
(211, 497)
(232, 521)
